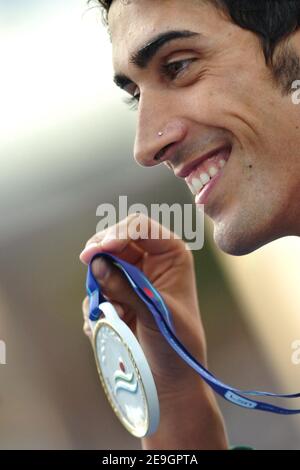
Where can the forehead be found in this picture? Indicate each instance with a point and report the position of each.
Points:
(133, 23)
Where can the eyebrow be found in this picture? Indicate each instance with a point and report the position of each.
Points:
(146, 53)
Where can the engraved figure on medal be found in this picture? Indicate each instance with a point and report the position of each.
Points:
(121, 379)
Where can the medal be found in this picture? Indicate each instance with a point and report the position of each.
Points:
(124, 373)
(123, 368)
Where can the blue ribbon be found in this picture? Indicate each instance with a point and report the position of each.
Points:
(163, 318)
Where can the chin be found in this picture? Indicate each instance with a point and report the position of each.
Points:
(237, 242)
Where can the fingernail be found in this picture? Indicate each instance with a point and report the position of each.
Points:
(102, 269)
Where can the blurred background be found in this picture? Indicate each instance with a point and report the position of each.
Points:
(66, 142)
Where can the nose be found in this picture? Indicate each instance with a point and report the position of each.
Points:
(155, 137)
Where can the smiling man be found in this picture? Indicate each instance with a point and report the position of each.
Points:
(212, 81)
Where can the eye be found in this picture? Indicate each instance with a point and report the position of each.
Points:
(173, 69)
(170, 70)
(132, 101)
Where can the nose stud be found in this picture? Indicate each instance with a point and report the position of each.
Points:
(159, 154)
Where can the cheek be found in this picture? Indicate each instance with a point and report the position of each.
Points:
(255, 192)
(221, 102)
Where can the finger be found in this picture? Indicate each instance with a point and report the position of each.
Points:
(87, 330)
(108, 238)
(147, 235)
(85, 308)
(117, 288)
(86, 325)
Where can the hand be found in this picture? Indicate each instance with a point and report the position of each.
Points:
(168, 264)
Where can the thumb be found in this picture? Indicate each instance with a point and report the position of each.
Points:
(117, 289)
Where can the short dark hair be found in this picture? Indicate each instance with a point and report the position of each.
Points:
(271, 20)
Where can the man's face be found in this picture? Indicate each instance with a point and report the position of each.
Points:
(217, 99)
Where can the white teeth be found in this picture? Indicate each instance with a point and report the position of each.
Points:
(194, 192)
(197, 184)
(212, 171)
(204, 178)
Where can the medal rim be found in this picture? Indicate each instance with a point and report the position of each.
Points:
(124, 421)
